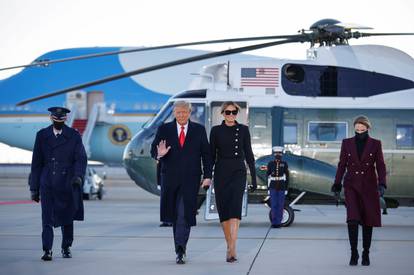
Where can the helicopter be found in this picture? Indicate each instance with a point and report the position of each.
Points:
(307, 106)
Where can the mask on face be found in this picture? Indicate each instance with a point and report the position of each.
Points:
(278, 157)
(361, 136)
(58, 125)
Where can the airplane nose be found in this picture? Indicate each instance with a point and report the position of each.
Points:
(138, 162)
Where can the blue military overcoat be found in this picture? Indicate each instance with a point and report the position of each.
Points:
(55, 162)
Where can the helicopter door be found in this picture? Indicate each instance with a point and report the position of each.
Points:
(216, 119)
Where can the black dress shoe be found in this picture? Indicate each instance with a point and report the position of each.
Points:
(47, 256)
(365, 258)
(354, 258)
(165, 224)
(180, 258)
(66, 253)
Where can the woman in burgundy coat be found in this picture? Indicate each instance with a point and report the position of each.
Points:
(362, 162)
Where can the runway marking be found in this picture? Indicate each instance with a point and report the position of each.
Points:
(15, 202)
(258, 251)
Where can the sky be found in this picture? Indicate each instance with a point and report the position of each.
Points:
(29, 28)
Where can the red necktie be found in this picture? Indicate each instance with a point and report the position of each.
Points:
(182, 136)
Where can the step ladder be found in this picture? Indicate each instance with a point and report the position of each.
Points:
(80, 125)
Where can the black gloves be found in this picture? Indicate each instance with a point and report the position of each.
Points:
(252, 187)
(76, 181)
(381, 189)
(35, 196)
(336, 188)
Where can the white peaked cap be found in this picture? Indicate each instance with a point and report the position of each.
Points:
(277, 149)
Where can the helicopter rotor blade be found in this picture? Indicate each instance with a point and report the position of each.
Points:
(363, 34)
(95, 55)
(165, 65)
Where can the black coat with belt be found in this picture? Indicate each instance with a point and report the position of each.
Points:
(55, 162)
(181, 168)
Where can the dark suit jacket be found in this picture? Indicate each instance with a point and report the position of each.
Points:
(181, 168)
(361, 180)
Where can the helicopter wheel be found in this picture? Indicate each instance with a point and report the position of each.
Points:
(288, 216)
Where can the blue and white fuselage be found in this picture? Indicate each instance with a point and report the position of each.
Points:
(130, 101)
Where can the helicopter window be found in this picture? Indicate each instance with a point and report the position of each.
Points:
(164, 115)
(198, 113)
(327, 131)
(335, 81)
(404, 135)
(290, 133)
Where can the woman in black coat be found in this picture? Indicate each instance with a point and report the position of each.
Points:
(231, 147)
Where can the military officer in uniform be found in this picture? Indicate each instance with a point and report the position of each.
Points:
(278, 180)
(361, 167)
(57, 171)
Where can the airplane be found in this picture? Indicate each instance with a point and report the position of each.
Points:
(307, 106)
(109, 114)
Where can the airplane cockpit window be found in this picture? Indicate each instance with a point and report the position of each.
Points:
(332, 81)
(327, 131)
(404, 135)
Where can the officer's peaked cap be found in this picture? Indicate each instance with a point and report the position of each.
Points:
(58, 113)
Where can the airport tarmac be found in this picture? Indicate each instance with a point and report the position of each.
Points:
(121, 236)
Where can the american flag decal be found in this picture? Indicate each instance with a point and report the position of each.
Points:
(260, 77)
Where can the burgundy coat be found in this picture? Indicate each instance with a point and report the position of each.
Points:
(361, 180)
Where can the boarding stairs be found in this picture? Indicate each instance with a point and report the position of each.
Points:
(85, 126)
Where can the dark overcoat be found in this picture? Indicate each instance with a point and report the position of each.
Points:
(181, 169)
(360, 180)
(55, 162)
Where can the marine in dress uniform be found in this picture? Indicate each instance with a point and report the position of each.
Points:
(362, 168)
(180, 147)
(278, 180)
(57, 171)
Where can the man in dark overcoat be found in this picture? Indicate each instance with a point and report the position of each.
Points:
(181, 146)
(58, 168)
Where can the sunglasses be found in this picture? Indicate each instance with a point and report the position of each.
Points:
(228, 112)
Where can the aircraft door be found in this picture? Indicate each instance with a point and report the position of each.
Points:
(77, 102)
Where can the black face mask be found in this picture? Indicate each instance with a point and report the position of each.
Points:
(361, 136)
(278, 157)
(58, 125)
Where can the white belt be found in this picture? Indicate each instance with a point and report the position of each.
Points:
(278, 178)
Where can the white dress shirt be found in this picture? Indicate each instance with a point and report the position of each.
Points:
(57, 132)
